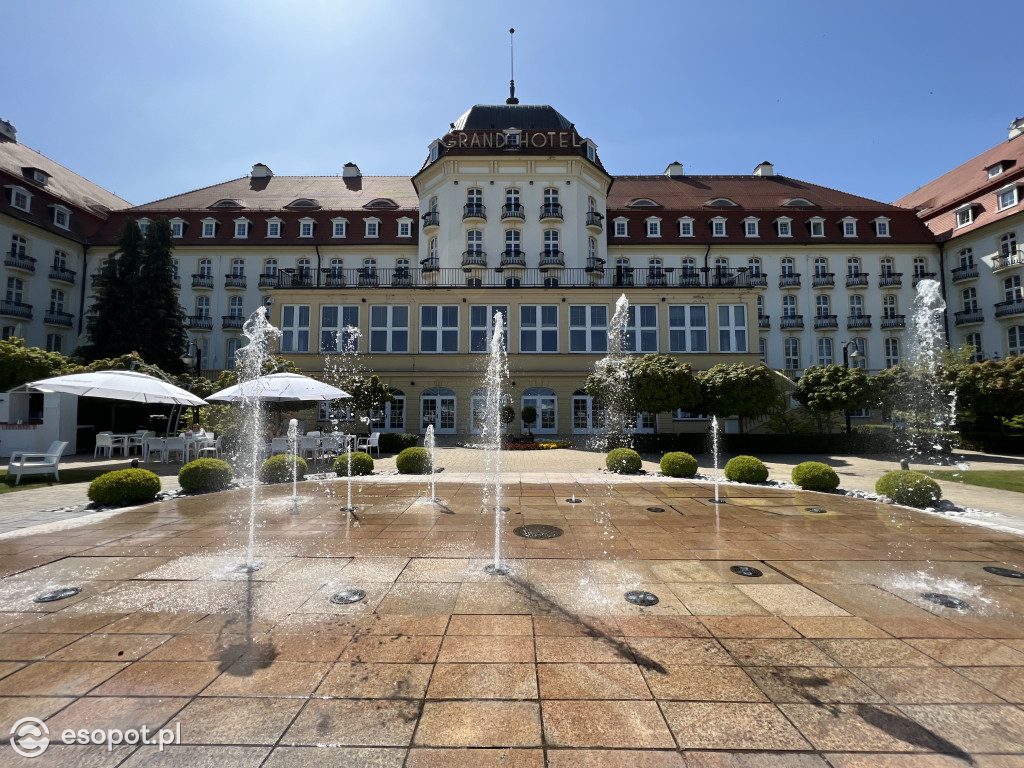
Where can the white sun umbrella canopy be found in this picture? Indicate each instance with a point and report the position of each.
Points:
(280, 388)
(131, 386)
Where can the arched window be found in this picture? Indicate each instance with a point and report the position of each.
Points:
(390, 418)
(235, 306)
(789, 306)
(205, 268)
(856, 305)
(238, 267)
(551, 241)
(546, 404)
(513, 239)
(825, 351)
(1012, 288)
(786, 267)
(969, 299)
(437, 408)
(888, 306)
(474, 241)
(892, 352)
(56, 300)
(791, 354)
(822, 305)
(588, 415)
(1015, 340)
(820, 267)
(754, 265)
(853, 266)
(887, 267)
(203, 306)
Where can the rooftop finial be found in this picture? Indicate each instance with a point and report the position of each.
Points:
(512, 57)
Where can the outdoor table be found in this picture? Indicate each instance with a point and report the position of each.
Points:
(120, 440)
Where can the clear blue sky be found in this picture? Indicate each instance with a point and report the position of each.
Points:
(150, 99)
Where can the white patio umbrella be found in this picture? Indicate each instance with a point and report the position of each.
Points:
(131, 386)
(279, 388)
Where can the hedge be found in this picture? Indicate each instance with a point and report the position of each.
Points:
(278, 469)
(625, 461)
(413, 461)
(678, 464)
(394, 442)
(905, 486)
(362, 464)
(746, 469)
(205, 476)
(815, 476)
(124, 486)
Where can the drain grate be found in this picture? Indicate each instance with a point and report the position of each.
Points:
(746, 570)
(1007, 572)
(639, 597)
(538, 531)
(347, 596)
(946, 601)
(61, 593)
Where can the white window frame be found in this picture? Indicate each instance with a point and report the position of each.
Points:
(589, 333)
(177, 228)
(62, 216)
(393, 333)
(480, 333)
(882, 227)
(826, 351)
(653, 224)
(20, 192)
(295, 332)
(964, 215)
(542, 329)
(750, 227)
(686, 331)
(817, 224)
(339, 227)
(784, 225)
(444, 326)
(849, 224)
(641, 335)
(306, 227)
(891, 349)
(342, 335)
(1007, 197)
(791, 353)
(209, 228)
(1015, 340)
(405, 227)
(372, 227)
(274, 227)
(685, 226)
(732, 328)
(620, 227)
(242, 228)
(718, 226)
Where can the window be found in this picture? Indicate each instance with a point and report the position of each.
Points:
(235, 307)
(295, 328)
(686, 227)
(620, 227)
(969, 299)
(791, 354)
(550, 196)
(964, 215)
(546, 404)
(273, 227)
(231, 353)
(56, 300)
(475, 241)
(882, 227)
(849, 226)
(1012, 289)
(7, 332)
(887, 267)
(974, 340)
(390, 418)
(785, 226)
(339, 328)
(205, 268)
(966, 258)
(688, 328)
(512, 139)
(21, 198)
(732, 328)
(920, 267)
(817, 227)
(238, 267)
(995, 170)
(754, 267)
(475, 201)
(373, 227)
(340, 228)
(891, 346)
(653, 227)
(538, 328)
(270, 267)
(820, 267)
(481, 326)
(511, 199)
(825, 351)
(591, 251)
(15, 290)
(786, 267)
(305, 227)
(861, 361)
(177, 227)
(588, 328)
(641, 329)
(389, 328)
(336, 271)
(718, 227)
(551, 242)
(591, 152)
(437, 409)
(856, 305)
(760, 306)
(435, 151)
(588, 415)
(241, 227)
(439, 328)
(209, 228)
(1007, 244)
(513, 238)
(1015, 340)
(888, 306)
(54, 342)
(203, 306)
(175, 271)
(1006, 197)
(61, 216)
(404, 228)
(789, 306)
(822, 305)
(762, 349)
(143, 226)
(750, 227)
(852, 266)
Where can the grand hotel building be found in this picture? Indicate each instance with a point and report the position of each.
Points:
(513, 211)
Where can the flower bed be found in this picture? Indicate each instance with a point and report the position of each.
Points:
(546, 446)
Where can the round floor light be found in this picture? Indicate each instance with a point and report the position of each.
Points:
(641, 598)
(538, 531)
(61, 593)
(574, 500)
(746, 570)
(348, 596)
(1007, 572)
(246, 568)
(946, 601)
(816, 510)
(656, 509)
(497, 570)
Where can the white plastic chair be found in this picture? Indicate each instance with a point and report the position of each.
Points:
(309, 447)
(154, 445)
(175, 445)
(369, 443)
(211, 449)
(37, 463)
(139, 439)
(104, 445)
(278, 445)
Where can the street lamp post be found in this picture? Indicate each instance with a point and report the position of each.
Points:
(194, 354)
(847, 357)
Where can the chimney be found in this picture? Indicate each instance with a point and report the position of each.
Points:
(764, 169)
(260, 171)
(675, 170)
(7, 132)
(1016, 127)
(351, 171)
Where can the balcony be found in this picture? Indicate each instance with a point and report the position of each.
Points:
(202, 281)
(595, 221)
(594, 266)
(789, 281)
(62, 275)
(513, 258)
(922, 276)
(232, 322)
(968, 317)
(826, 322)
(431, 221)
(367, 277)
(551, 212)
(894, 321)
(890, 279)
(656, 278)
(332, 277)
(294, 278)
(757, 280)
(1008, 260)
(18, 260)
(199, 322)
(792, 321)
(623, 276)
(175, 280)
(475, 211)
(16, 309)
(857, 280)
(430, 264)
(858, 321)
(552, 259)
(1010, 308)
(689, 277)
(234, 281)
(764, 322)
(513, 211)
(965, 273)
(824, 280)
(54, 317)
(474, 259)
(268, 280)
(401, 278)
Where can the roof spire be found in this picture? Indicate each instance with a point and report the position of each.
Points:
(512, 58)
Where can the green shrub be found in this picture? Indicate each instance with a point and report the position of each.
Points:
(907, 487)
(278, 469)
(746, 469)
(413, 461)
(205, 476)
(815, 476)
(124, 486)
(625, 461)
(362, 464)
(393, 442)
(678, 464)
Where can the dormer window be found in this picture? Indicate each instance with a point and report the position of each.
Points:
(303, 202)
(849, 226)
(964, 215)
(21, 198)
(177, 227)
(1007, 197)
(620, 229)
(209, 227)
(750, 227)
(722, 202)
(143, 226)
(799, 202)
(685, 226)
(381, 202)
(644, 202)
(881, 227)
(591, 151)
(405, 227)
(274, 227)
(718, 226)
(435, 150)
(512, 136)
(784, 226)
(372, 227)
(306, 227)
(227, 203)
(38, 175)
(817, 225)
(653, 227)
(995, 170)
(61, 216)
(340, 227)
(241, 228)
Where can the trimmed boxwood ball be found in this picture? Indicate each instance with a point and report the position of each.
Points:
(278, 469)
(362, 464)
(905, 486)
(124, 486)
(746, 469)
(413, 461)
(678, 464)
(815, 476)
(625, 461)
(205, 476)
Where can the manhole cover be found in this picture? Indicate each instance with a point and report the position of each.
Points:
(946, 601)
(245, 568)
(639, 597)
(746, 570)
(496, 570)
(816, 510)
(57, 594)
(538, 531)
(655, 509)
(1007, 572)
(347, 596)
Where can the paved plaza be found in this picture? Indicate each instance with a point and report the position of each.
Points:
(791, 628)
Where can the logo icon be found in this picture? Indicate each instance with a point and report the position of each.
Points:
(30, 737)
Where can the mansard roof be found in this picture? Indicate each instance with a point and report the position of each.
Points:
(486, 117)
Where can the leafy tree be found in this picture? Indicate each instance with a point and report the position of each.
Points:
(651, 383)
(738, 390)
(20, 364)
(824, 390)
(529, 417)
(989, 393)
(368, 393)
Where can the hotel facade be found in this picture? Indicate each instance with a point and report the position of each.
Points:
(513, 212)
